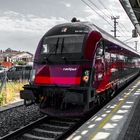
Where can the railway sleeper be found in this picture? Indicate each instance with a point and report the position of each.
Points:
(33, 137)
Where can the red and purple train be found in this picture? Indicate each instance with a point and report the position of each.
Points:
(76, 66)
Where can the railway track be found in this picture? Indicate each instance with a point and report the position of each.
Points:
(46, 128)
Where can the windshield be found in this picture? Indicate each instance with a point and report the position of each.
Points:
(63, 44)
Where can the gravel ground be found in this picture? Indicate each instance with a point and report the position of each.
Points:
(14, 118)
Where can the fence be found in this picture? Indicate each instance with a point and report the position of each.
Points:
(10, 85)
(3, 79)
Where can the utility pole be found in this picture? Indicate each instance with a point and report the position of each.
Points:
(136, 43)
(115, 23)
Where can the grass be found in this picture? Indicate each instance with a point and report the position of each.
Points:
(10, 92)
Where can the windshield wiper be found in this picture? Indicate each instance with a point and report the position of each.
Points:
(62, 46)
(56, 45)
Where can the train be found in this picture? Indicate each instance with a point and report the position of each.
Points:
(77, 66)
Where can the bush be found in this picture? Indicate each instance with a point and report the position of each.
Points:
(20, 63)
(1, 98)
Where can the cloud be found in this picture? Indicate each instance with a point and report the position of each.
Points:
(23, 41)
(68, 5)
(23, 32)
(13, 21)
(91, 14)
(26, 23)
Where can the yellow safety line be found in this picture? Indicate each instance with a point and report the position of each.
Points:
(100, 126)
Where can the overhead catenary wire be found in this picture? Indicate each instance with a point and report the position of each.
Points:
(97, 12)
(127, 39)
(121, 24)
(98, 9)
(122, 33)
(100, 14)
(101, 3)
(110, 12)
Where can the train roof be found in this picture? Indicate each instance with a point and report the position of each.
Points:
(112, 39)
(69, 28)
(86, 27)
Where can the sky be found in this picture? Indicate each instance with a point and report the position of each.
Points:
(23, 23)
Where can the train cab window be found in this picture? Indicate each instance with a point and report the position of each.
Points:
(63, 44)
(49, 45)
(73, 44)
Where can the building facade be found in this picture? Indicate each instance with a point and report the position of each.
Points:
(9, 57)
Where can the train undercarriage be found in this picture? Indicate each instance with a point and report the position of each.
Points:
(56, 101)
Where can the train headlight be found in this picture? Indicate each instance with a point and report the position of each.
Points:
(85, 77)
(32, 76)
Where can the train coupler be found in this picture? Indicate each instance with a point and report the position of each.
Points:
(28, 102)
(28, 97)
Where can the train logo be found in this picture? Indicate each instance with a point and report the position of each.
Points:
(64, 30)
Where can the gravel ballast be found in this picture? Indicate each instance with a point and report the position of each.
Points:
(14, 118)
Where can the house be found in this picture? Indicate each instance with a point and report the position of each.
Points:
(9, 57)
(22, 56)
(6, 64)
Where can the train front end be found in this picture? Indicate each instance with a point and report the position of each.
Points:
(60, 82)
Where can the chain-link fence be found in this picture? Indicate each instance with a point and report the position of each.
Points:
(19, 73)
(3, 79)
(11, 82)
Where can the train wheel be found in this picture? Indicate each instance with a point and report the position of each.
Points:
(108, 95)
(98, 100)
(114, 91)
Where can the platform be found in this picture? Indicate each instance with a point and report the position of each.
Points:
(118, 120)
(12, 105)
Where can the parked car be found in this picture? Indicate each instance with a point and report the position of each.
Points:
(19, 72)
(2, 69)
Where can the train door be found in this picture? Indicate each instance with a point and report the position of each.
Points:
(99, 66)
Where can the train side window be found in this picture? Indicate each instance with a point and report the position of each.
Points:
(100, 49)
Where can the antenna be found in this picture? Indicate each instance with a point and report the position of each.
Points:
(74, 19)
